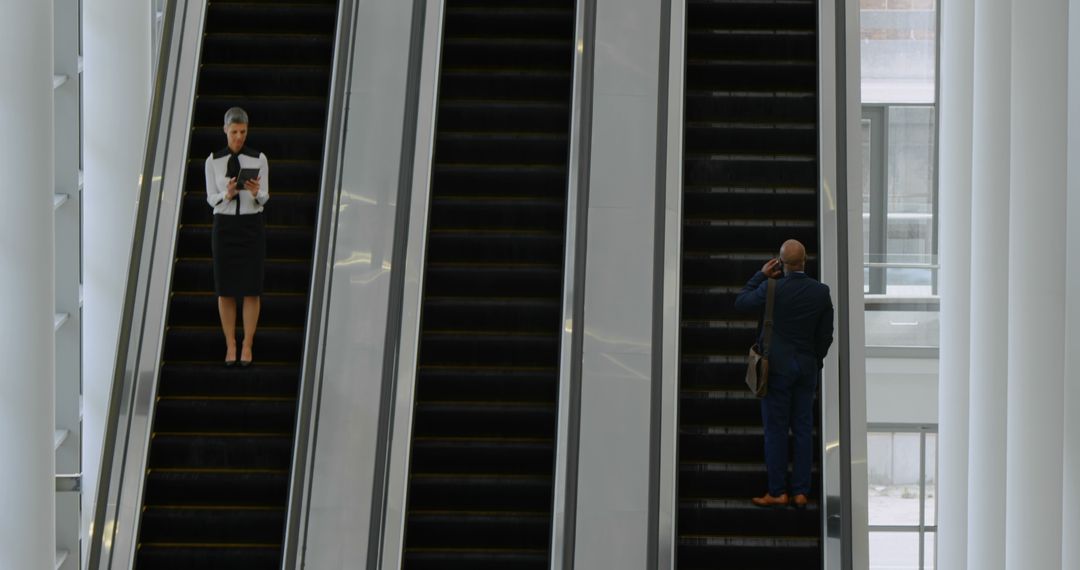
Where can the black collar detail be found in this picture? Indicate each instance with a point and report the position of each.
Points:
(246, 151)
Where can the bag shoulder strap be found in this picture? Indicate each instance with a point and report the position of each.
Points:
(770, 299)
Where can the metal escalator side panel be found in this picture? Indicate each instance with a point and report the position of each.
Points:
(571, 337)
(668, 501)
(129, 416)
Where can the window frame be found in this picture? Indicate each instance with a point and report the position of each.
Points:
(922, 528)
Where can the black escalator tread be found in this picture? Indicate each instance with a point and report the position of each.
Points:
(478, 559)
(285, 48)
(750, 172)
(236, 487)
(221, 445)
(280, 111)
(209, 556)
(480, 482)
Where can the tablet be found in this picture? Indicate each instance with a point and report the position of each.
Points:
(245, 175)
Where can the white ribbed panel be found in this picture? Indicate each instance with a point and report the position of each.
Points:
(27, 342)
(954, 254)
(989, 290)
(1036, 287)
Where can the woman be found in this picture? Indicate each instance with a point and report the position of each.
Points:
(238, 242)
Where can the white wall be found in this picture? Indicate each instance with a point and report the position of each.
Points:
(116, 100)
(27, 523)
(902, 390)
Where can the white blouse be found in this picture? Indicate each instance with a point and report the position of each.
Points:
(217, 183)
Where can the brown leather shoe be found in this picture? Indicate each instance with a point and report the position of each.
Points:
(800, 501)
(770, 501)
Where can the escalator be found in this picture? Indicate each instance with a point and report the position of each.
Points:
(482, 459)
(221, 446)
(750, 182)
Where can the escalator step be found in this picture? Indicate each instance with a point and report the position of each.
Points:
(179, 556)
(482, 457)
(221, 446)
(218, 524)
(221, 451)
(213, 379)
(242, 80)
(485, 492)
(216, 487)
(487, 382)
(479, 559)
(464, 530)
(750, 172)
(493, 383)
(267, 48)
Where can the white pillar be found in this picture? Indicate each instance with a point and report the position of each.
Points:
(1036, 287)
(1070, 527)
(989, 288)
(27, 418)
(954, 250)
(116, 99)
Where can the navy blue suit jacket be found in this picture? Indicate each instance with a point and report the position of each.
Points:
(802, 321)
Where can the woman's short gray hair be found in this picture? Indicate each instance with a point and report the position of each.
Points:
(236, 115)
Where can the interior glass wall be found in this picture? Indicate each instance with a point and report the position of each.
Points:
(899, 46)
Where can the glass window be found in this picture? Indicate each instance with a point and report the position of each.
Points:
(899, 210)
(910, 204)
(893, 463)
(894, 550)
(899, 50)
(929, 550)
(899, 61)
(931, 479)
(902, 472)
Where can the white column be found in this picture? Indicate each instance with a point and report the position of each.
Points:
(954, 251)
(1070, 527)
(1036, 287)
(989, 288)
(116, 99)
(27, 418)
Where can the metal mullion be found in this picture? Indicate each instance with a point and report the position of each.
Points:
(893, 528)
(922, 499)
(878, 117)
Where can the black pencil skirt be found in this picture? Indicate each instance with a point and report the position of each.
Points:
(239, 249)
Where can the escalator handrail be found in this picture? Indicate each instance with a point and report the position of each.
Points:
(173, 92)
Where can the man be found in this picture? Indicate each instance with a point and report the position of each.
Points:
(802, 333)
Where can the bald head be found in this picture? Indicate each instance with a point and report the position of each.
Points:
(793, 254)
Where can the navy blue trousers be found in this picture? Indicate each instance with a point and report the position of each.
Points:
(789, 405)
